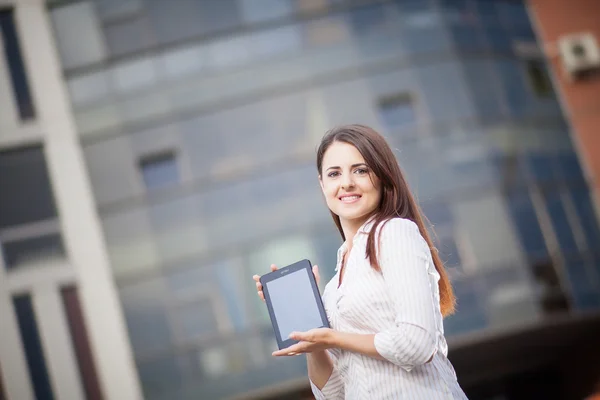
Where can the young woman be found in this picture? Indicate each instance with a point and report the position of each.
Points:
(390, 292)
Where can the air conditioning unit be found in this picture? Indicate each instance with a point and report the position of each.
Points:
(580, 54)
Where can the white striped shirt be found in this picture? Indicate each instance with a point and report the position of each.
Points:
(401, 306)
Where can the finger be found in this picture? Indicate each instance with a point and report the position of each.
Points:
(302, 336)
(256, 278)
(289, 351)
(273, 267)
(315, 270)
(258, 286)
(261, 295)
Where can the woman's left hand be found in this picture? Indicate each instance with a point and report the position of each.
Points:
(309, 341)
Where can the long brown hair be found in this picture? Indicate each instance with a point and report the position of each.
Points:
(396, 197)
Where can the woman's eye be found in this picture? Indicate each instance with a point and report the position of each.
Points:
(361, 171)
(333, 174)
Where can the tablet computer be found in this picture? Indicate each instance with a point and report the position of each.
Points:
(293, 300)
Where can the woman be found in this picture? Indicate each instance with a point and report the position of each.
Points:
(390, 292)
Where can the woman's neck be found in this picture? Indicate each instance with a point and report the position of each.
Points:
(350, 227)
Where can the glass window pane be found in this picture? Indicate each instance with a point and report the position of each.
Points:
(18, 74)
(585, 282)
(177, 229)
(113, 9)
(587, 217)
(445, 91)
(129, 36)
(176, 20)
(40, 249)
(229, 52)
(560, 222)
(326, 31)
(34, 353)
(197, 319)
(527, 225)
(160, 170)
(132, 75)
(163, 377)
(397, 110)
(131, 245)
(183, 61)
(542, 166)
(489, 248)
(482, 83)
(88, 88)
(254, 11)
(145, 308)
(25, 187)
(368, 19)
(78, 34)
(281, 40)
(570, 167)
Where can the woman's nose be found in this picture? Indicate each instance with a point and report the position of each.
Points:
(347, 182)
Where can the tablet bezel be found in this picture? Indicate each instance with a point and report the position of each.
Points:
(271, 276)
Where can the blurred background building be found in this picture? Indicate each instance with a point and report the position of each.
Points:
(155, 154)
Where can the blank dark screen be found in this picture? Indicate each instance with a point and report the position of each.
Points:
(294, 303)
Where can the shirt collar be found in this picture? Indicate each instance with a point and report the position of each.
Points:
(364, 229)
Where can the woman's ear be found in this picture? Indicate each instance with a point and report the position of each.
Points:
(321, 182)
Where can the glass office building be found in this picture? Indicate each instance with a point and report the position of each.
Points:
(199, 121)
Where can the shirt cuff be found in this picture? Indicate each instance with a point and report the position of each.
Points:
(333, 389)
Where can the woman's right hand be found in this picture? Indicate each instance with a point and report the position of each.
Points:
(259, 288)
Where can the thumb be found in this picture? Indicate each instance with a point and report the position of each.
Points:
(315, 270)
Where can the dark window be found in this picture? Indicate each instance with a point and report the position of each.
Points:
(397, 110)
(33, 347)
(159, 169)
(79, 336)
(2, 395)
(16, 67)
(527, 225)
(19, 252)
(25, 187)
(540, 82)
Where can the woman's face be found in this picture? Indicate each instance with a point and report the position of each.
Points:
(351, 190)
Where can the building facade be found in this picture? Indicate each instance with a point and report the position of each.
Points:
(155, 154)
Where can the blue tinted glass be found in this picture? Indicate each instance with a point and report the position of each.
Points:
(527, 224)
(398, 113)
(509, 170)
(480, 79)
(585, 281)
(512, 13)
(560, 222)
(498, 39)
(16, 67)
(468, 38)
(570, 167)
(514, 86)
(160, 171)
(587, 217)
(541, 166)
(367, 19)
(231, 288)
(487, 13)
(448, 251)
(470, 314)
(437, 213)
(33, 347)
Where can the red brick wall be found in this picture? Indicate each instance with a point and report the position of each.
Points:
(580, 99)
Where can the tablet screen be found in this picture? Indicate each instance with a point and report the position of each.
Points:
(293, 302)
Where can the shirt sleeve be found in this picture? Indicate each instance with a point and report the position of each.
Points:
(334, 387)
(405, 261)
